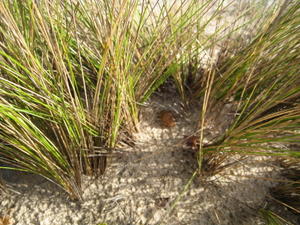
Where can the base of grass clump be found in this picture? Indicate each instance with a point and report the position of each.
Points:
(142, 183)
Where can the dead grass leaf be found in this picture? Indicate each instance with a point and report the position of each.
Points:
(5, 220)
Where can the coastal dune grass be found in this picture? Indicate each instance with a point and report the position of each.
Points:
(262, 79)
(73, 73)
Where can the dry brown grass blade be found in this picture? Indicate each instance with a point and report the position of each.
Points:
(5, 219)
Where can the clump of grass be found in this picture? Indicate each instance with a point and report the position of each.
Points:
(260, 78)
(263, 80)
(73, 75)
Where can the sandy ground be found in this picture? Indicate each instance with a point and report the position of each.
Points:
(142, 185)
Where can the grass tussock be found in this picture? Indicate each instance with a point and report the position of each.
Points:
(262, 80)
(73, 75)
